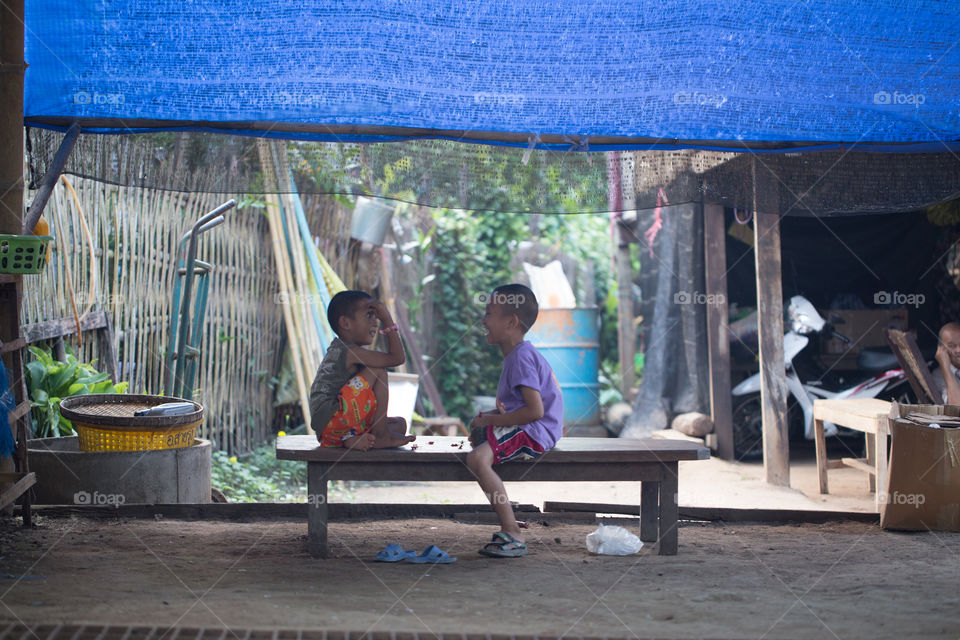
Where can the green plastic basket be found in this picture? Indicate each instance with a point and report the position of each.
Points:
(23, 254)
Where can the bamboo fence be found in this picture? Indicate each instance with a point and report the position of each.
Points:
(129, 273)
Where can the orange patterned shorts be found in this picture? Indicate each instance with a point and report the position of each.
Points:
(357, 406)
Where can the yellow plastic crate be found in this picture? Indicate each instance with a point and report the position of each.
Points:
(106, 422)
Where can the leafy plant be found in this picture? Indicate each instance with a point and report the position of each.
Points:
(49, 381)
(260, 477)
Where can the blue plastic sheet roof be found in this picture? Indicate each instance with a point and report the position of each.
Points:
(588, 75)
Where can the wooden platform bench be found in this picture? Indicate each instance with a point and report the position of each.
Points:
(653, 463)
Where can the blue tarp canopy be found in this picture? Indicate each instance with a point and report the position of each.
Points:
(774, 75)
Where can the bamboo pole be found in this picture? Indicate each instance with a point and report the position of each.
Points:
(280, 256)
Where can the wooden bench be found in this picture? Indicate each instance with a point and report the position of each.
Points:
(653, 463)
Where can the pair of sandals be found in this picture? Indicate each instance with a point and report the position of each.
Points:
(503, 545)
(431, 555)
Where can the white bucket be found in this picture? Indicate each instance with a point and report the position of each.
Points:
(371, 219)
(403, 395)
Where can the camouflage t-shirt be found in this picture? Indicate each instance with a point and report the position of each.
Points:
(325, 390)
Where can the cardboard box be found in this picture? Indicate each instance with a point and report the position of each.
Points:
(923, 480)
(864, 328)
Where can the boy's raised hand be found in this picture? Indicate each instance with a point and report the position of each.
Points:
(381, 311)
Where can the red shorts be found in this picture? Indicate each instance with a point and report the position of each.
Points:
(511, 443)
(357, 406)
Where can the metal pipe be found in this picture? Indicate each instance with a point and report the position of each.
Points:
(183, 334)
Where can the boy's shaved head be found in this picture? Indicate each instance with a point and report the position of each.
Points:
(345, 304)
(518, 299)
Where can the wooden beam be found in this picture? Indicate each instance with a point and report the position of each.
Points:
(622, 198)
(773, 380)
(724, 514)
(718, 337)
(50, 178)
(626, 331)
(58, 327)
(20, 483)
(12, 68)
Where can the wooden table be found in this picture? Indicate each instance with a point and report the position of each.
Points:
(653, 463)
(868, 415)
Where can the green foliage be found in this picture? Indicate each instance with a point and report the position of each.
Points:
(49, 381)
(464, 360)
(260, 477)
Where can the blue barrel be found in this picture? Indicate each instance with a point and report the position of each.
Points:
(569, 339)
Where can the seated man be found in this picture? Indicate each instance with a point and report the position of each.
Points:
(948, 357)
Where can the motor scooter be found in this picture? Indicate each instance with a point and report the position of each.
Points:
(878, 375)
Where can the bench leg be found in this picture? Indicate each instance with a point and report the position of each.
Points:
(821, 442)
(880, 455)
(317, 509)
(669, 510)
(649, 510)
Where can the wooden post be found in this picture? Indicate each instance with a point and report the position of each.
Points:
(11, 119)
(626, 331)
(718, 338)
(12, 68)
(773, 380)
(620, 200)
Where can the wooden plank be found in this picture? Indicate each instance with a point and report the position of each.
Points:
(904, 347)
(773, 382)
(59, 327)
(723, 514)
(862, 414)
(13, 345)
(271, 511)
(669, 511)
(17, 489)
(454, 470)
(19, 411)
(859, 463)
(718, 336)
(443, 448)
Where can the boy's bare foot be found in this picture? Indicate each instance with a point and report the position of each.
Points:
(361, 442)
(392, 440)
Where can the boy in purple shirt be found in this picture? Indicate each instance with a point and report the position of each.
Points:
(529, 415)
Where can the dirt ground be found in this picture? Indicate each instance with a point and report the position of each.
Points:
(844, 580)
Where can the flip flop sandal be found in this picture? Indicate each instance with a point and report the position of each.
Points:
(394, 553)
(431, 555)
(503, 545)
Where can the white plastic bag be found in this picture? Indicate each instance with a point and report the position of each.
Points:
(613, 541)
(550, 285)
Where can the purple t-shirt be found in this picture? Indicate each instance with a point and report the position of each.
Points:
(524, 366)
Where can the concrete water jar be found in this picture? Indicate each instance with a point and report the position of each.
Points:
(570, 339)
(67, 475)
